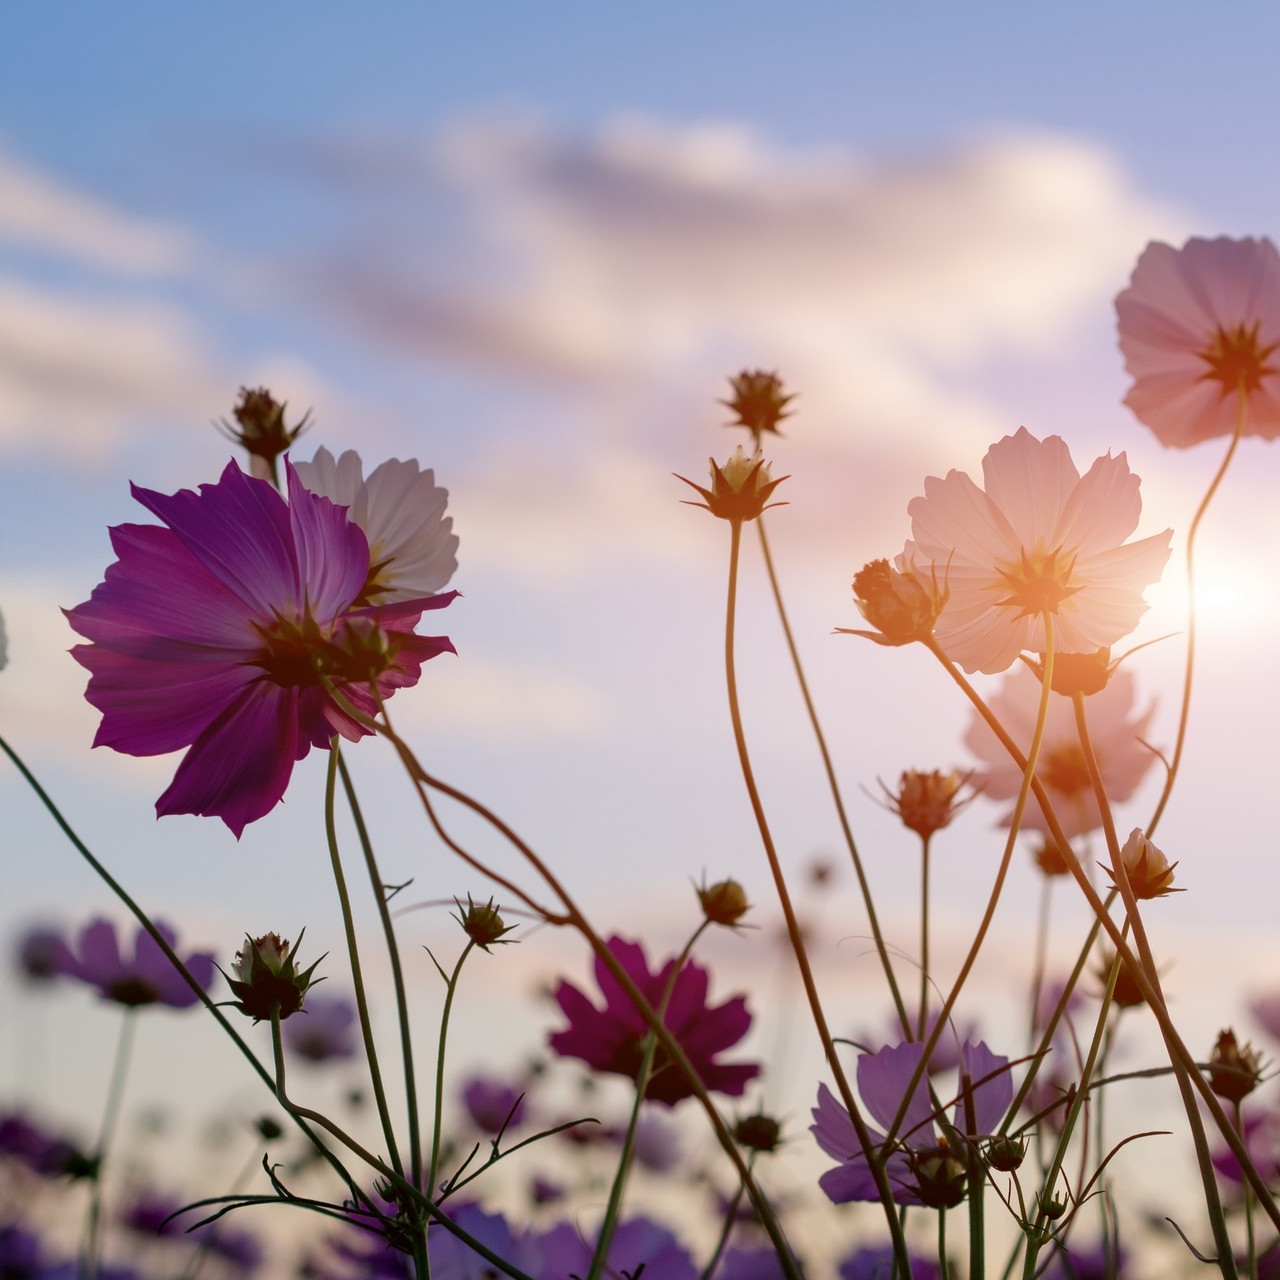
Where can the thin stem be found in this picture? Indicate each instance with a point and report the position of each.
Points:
(353, 954)
(451, 986)
(793, 926)
(127, 900)
(923, 1015)
(1188, 674)
(833, 785)
(397, 973)
(110, 1115)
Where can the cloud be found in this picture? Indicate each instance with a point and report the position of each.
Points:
(37, 212)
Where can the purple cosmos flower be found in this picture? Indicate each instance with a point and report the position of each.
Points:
(145, 977)
(219, 631)
(37, 1148)
(640, 1243)
(493, 1104)
(41, 953)
(883, 1078)
(323, 1030)
(451, 1259)
(757, 1262)
(876, 1262)
(612, 1039)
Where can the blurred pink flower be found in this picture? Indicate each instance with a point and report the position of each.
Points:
(1198, 325)
(218, 632)
(494, 1104)
(1114, 731)
(612, 1039)
(324, 1029)
(145, 977)
(1039, 540)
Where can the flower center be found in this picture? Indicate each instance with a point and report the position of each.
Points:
(1039, 583)
(1065, 771)
(1237, 359)
(293, 652)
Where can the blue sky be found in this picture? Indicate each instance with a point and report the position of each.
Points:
(526, 244)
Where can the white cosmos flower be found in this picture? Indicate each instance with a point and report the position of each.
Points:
(412, 548)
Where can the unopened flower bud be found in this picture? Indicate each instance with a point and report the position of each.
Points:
(740, 490)
(724, 902)
(900, 604)
(939, 1175)
(926, 802)
(1234, 1069)
(1051, 1206)
(1083, 673)
(1127, 994)
(1149, 872)
(482, 923)
(261, 430)
(359, 651)
(1006, 1154)
(758, 1132)
(268, 982)
(1050, 857)
(758, 402)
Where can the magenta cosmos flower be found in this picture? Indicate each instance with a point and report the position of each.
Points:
(1115, 731)
(224, 630)
(1039, 540)
(1199, 328)
(147, 976)
(612, 1039)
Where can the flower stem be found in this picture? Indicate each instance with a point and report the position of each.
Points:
(833, 784)
(1188, 675)
(353, 954)
(923, 1015)
(875, 1164)
(451, 986)
(397, 973)
(110, 1115)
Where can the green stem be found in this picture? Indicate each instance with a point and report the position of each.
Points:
(353, 954)
(923, 1015)
(110, 1116)
(875, 1164)
(833, 785)
(451, 986)
(397, 973)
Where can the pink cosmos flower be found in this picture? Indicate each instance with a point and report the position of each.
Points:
(612, 1039)
(1199, 327)
(218, 632)
(323, 1031)
(145, 977)
(1114, 732)
(413, 551)
(1039, 540)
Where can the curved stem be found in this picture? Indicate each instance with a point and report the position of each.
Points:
(110, 1115)
(833, 785)
(1188, 674)
(451, 986)
(875, 1164)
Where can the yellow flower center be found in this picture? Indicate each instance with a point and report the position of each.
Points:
(1039, 583)
(1237, 359)
(1065, 771)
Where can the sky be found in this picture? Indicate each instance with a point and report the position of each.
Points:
(527, 245)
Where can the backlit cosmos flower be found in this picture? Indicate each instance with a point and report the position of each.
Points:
(1039, 541)
(224, 630)
(1199, 328)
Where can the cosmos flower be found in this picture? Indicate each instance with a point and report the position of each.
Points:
(219, 631)
(638, 1245)
(914, 1162)
(145, 977)
(612, 1039)
(41, 953)
(413, 551)
(324, 1029)
(494, 1104)
(1040, 539)
(1199, 327)
(876, 1262)
(1114, 732)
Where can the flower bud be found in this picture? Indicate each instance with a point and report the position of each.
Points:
(724, 902)
(482, 924)
(758, 1132)
(926, 802)
(268, 982)
(1148, 871)
(758, 402)
(900, 604)
(1050, 858)
(940, 1176)
(740, 490)
(1006, 1154)
(261, 430)
(1234, 1069)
